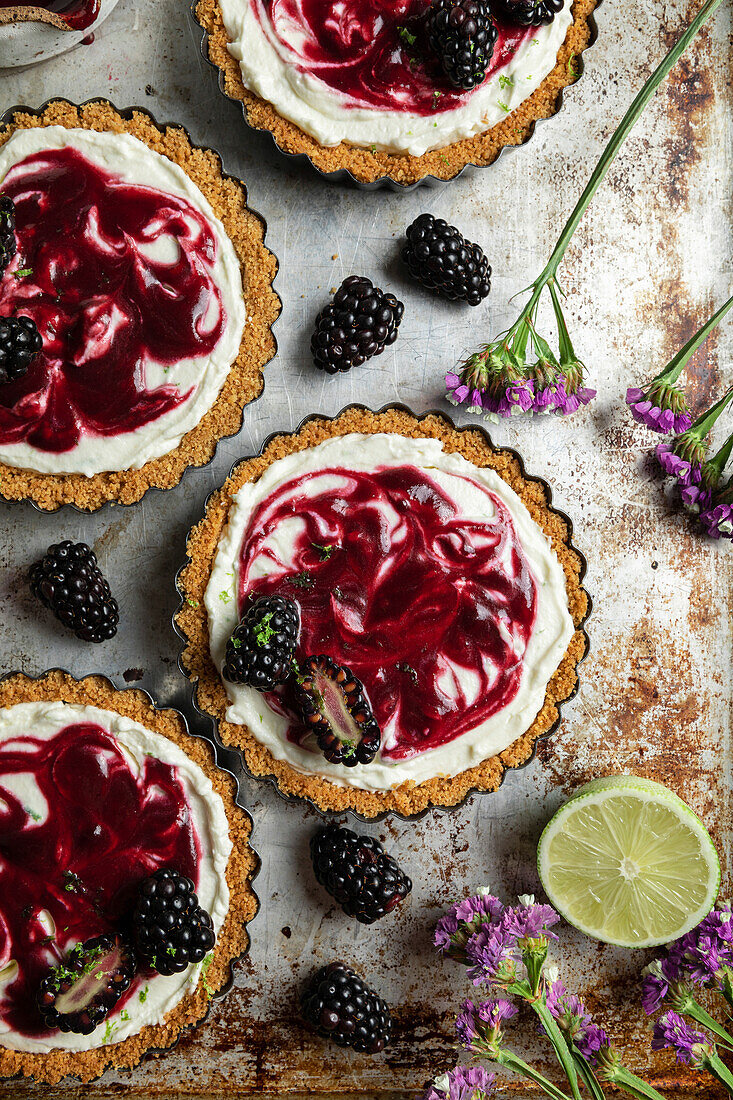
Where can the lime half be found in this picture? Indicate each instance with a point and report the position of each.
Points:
(626, 861)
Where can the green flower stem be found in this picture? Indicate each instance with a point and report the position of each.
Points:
(620, 135)
(567, 351)
(726, 987)
(587, 1073)
(716, 465)
(557, 1039)
(632, 1084)
(713, 1064)
(704, 423)
(675, 366)
(690, 1007)
(517, 1065)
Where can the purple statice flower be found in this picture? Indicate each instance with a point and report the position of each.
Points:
(672, 1032)
(529, 921)
(462, 920)
(685, 471)
(662, 407)
(696, 498)
(483, 1023)
(716, 517)
(491, 955)
(568, 401)
(461, 1083)
(456, 389)
(593, 1042)
(568, 1009)
(508, 399)
(657, 978)
(704, 955)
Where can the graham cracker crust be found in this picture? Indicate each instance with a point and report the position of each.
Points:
(191, 620)
(244, 383)
(32, 14)
(366, 166)
(232, 941)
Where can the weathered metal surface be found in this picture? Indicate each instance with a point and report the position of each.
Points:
(650, 261)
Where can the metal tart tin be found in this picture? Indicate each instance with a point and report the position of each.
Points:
(226, 762)
(28, 42)
(210, 722)
(126, 113)
(343, 175)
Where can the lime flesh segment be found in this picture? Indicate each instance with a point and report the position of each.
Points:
(627, 862)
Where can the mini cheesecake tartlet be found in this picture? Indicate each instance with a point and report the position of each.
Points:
(99, 792)
(427, 597)
(355, 86)
(149, 284)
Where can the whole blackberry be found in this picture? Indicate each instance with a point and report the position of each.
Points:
(462, 35)
(80, 992)
(260, 651)
(333, 705)
(68, 581)
(359, 322)
(341, 1006)
(7, 231)
(531, 13)
(20, 343)
(365, 881)
(171, 929)
(440, 257)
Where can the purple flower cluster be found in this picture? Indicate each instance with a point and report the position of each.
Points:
(673, 1033)
(511, 397)
(663, 408)
(685, 471)
(716, 515)
(703, 956)
(482, 1023)
(593, 1043)
(488, 938)
(461, 1083)
(571, 1014)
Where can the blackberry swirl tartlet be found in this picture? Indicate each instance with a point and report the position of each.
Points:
(399, 91)
(148, 286)
(438, 601)
(108, 810)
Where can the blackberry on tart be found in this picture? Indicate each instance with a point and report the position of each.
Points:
(20, 343)
(334, 707)
(462, 35)
(260, 651)
(171, 929)
(79, 993)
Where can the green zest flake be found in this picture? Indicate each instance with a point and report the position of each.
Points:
(32, 813)
(23, 272)
(170, 950)
(436, 100)
(46, 941)
(204, 972)
(444, 158)
(303, 580)
(225, 596)
(506, 81)
(372, 149)
(572, 67)
(236, 643)
(350, 749)
(503, 106)
(324, 551)
(72, 885)
(124, 1015)
(338, 594)
(264, 631)
(406, 36)
(143, 995)
(191, 603)
(109, 1032)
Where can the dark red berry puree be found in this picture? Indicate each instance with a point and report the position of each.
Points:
(103, 307)
(78, 14)
(107, 829)
(373, 52)
(395, 584)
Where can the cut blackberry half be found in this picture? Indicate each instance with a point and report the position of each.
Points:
(68, 581)
(531, 13)
(80, 993)
(358, 873)
(260, 651)
(7, 232)
(439, 256)
(342, 1007)
(171, 929)
(333, 705)
(358, 323)
(20, 343)
(462, 35)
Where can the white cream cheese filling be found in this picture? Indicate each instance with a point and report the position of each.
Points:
(132, 160)
(553, 627)
(269, 62)
(43, 720)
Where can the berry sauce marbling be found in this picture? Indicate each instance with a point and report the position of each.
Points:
(103, 306)
(107, 828)
(373, 52)
(415, 598)
(77, 14)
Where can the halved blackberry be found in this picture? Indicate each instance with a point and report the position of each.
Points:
(171, 929)
(20, 343)
(78, 994)
(341, 1006)
(531, 13)
(68, 581)
(260, 651)
(334, 706)
(440, 257)
(461, 33)
(7, 231)
(359, 322)
(365, 881)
